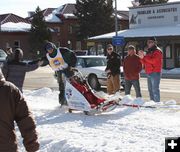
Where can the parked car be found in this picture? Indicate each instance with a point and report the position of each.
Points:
(3, 56)
(81, 52)
(93, 68)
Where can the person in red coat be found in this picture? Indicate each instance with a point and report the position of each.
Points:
(152, 62)
(132, 67)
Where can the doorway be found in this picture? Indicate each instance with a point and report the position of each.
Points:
(177, 55)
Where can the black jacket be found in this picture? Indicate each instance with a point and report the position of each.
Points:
(113, 63)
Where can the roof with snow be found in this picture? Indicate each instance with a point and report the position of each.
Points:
(13, 23)
(56, 15)
(5, 18)
(124, 15)
(48, 11)
(143, 32)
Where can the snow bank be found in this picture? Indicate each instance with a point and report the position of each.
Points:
(124, 129)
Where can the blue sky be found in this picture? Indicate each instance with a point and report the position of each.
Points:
(21, 7)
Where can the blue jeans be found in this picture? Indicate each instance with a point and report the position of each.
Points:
(136, 85)
(153, 81)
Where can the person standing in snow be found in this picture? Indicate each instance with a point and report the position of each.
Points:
(15, 69)
(152, 62)
(61, 60)
(112, 70)
(13, 107)
(132, 67)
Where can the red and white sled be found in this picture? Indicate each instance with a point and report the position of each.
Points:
(81, 97)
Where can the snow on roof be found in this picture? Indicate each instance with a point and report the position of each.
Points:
(69, 15)
(52, 18)
(20, 26)
(57, 10)
(143, 32)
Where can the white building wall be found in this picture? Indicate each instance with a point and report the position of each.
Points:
(167, 14)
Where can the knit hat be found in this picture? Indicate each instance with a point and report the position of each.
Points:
(109, 46)
(18, 54)
(131, 47)
(50, 46)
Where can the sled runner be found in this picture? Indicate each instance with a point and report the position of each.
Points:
(139, 103)
(81, 97)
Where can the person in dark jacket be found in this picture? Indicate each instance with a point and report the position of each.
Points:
(132, 67)
(61, 60)
(112, 70)
(13, 107)
(152, 62)
(15, 69)
(9, 53)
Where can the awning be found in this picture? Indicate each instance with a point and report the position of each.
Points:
(143, 32)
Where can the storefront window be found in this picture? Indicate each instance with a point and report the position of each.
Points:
(168, 52)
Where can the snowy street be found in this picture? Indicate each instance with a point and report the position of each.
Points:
(43, 77)
(124, 129)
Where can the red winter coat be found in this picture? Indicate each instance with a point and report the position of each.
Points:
(153, 61)
(132, 67)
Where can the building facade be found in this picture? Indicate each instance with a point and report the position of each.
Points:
(159, 20)
(163, 21)
(14, 30)
(14, 33)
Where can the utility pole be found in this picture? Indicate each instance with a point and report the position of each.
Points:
(0, 30)
(116, 27)
(0, 23)
(116, 22)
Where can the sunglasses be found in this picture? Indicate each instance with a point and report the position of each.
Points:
(110, 49)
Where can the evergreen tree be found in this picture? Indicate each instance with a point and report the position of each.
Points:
(38, 33)
(146, 2)
(95, 17)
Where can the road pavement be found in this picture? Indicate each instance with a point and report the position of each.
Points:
(44, 77)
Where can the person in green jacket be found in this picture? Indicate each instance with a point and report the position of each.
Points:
(61, 60)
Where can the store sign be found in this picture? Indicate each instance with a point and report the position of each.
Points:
(157, 15)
